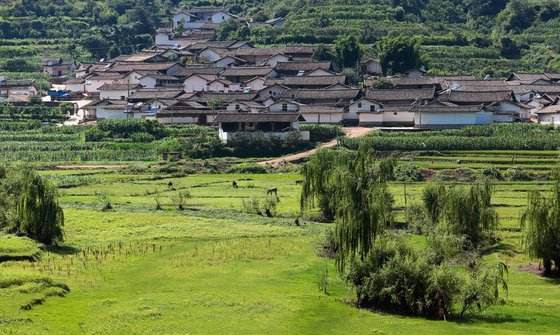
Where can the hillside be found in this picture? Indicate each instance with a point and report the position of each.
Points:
(474, 36)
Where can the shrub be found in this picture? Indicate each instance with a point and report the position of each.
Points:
(517, 173)
(407, 172)
(417, 219)
(322, 133)
(247, 168)
(492, 173)
(396, 278)
(180, 198)
(142, 137)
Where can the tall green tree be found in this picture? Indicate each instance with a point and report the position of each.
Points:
(37, 213)
(541, 224)
(353, 186)
(399, 54)
(348, 51)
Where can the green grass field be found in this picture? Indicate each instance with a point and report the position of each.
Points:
(214, 269)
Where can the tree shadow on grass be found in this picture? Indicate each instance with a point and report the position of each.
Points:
(63, 249)
(493, 318)
(500, 247)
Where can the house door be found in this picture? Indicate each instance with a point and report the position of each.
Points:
(202, 119)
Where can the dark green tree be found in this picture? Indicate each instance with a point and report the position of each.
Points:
(38, 214)
(348, 51)
(399, 54)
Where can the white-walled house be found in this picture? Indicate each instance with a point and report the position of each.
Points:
(222, 85)
(549, 115)
(441, 116)
(362, 106)
(228, 61)
(320, 73)
(271, 125)
(197, 82)
(75, 85)
(245, 107)
(196, 17)
(272, 92)
(116, 91)
(322, 114)
(284, 106)
(400, 116)
(371, 66)
(255, 84)
(95, 81)
(275, 59)
(108, 109)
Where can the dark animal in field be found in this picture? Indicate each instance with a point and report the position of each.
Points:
(271, 191)
(299, 182)
(234, 184)
(170, 186)
(296, 222)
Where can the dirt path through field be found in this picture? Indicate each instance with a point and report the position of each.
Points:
(351, 132)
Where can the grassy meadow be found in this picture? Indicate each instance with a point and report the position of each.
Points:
(215, 269)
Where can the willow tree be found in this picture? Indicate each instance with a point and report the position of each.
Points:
(38, 214)
(352, 186)
(463, 211)
(541, 224)
(469, 212)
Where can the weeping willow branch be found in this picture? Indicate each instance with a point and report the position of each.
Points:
(352, 186)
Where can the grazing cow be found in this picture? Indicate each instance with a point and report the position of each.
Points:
(234, 184)
(273, 190)
(299, 182)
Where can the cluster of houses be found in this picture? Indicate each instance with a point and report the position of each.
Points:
(191, 78)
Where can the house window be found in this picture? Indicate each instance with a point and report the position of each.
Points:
(123, 97)
(395, 113)
(284, 107)
(359, 105)
(237, 107)
(372, 108)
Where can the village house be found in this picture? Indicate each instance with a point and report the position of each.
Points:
(401, 97)
(116, 91)
(196, 17)
(75, 85)
(222, 85)
(322, 114)
(58, 67)
(275, 59)
(198, 82)
(228, 61)
(246, 73)
(371, 67)
(245, 107)
(312, 82)
(159, 80)
(549, 115)
(439, 115)
(271, 125)
(501, 103)
(284, 106)
(255, 84)
(20, 90)
(364, 106)
(295, 68)
(325, 97)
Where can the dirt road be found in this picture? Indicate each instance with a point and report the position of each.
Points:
(351, 132)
